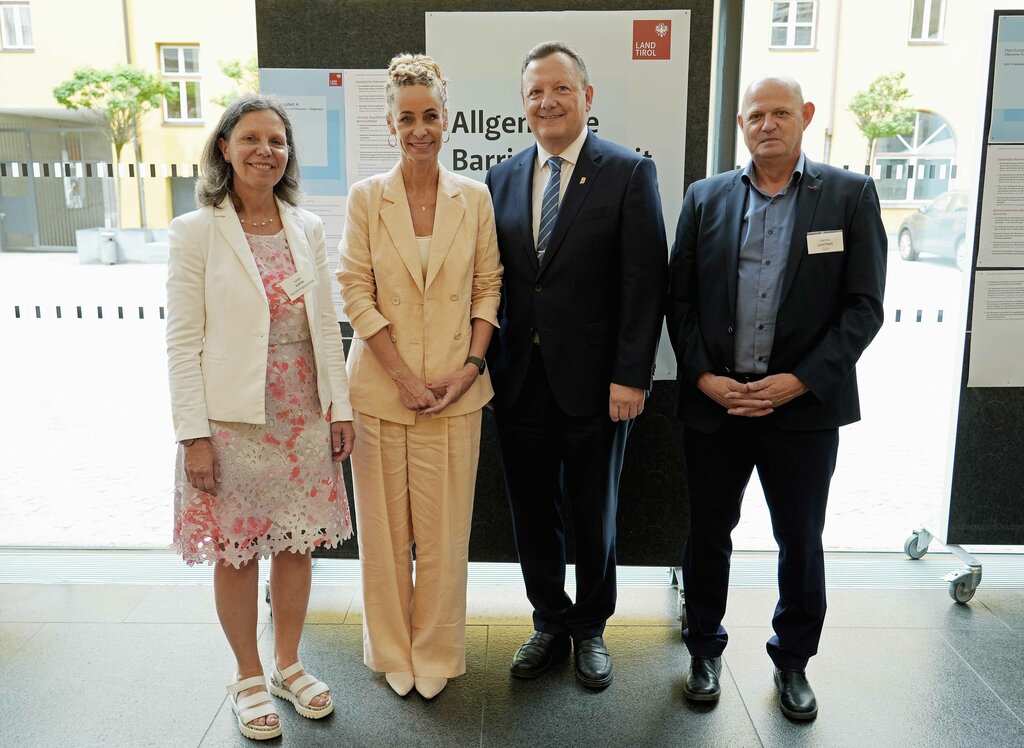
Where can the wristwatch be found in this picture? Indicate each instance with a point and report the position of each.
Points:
(477, 362)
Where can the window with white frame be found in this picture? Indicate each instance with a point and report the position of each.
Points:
(918, 166)
(926, 20)
(793, 23)
(180, 67)
(16, 26)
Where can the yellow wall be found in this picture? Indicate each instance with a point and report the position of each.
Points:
(949, 78)
(223, 31)
(67, 34)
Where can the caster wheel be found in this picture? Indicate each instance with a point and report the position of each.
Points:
(959, 592)
(914, 548)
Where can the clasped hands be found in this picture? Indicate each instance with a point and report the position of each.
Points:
(430, 398)
(751, 399)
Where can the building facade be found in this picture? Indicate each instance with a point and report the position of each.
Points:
(42, 43)
(836, 48)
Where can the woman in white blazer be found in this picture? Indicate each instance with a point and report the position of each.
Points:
(420, 280)
(259, 396)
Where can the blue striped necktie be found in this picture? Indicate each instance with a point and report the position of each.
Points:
(549, 207)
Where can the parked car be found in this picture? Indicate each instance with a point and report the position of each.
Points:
(938, 228)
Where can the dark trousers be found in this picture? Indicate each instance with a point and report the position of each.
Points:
(548, 454)
(795, 468)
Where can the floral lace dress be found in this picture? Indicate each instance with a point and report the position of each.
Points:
(279, 488)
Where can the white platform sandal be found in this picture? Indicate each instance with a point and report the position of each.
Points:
(301, 691)
(252, 707)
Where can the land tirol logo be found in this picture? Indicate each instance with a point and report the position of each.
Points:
(652, 40)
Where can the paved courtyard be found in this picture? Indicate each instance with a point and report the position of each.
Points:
(88, 447)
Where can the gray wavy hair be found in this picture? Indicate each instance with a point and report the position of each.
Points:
(215, 174)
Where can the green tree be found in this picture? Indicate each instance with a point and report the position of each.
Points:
(246, 76)
(879, 111)
(117, 98)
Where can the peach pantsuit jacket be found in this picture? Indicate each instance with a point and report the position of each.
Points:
(218, 319)
(429, 320)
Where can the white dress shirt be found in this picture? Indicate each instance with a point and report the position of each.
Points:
(541, 174)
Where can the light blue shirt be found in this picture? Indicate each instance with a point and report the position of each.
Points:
(764, 248)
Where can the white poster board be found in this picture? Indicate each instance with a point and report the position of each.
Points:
(997, 310)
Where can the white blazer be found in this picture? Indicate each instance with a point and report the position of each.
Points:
(218, 319)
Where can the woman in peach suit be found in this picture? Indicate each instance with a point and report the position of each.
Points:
(421, 281)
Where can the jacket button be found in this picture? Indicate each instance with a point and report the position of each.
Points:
(455, 297)
(728, 370)
(730, 329)
(394, 339)
(395, 300)
(458, 336)
(537, 289)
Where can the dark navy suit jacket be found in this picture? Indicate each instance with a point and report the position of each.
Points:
(596, 303)
(829, 310)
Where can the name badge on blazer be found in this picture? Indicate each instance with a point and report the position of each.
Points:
(819, 242)
(298, 284)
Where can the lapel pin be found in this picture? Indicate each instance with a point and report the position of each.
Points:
(583, 180)
(812, 187)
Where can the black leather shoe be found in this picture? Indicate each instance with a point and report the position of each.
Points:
(702, 682)
(593, 663)
(536, 656)
(796, 699)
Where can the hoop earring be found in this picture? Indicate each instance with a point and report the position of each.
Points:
(447, 136)
(392, 135)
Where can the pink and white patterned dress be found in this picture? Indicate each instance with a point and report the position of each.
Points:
(279, 488)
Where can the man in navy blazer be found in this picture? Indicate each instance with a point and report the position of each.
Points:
(776, 282)
(582, 240)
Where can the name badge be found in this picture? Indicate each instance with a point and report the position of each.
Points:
(819, 242)
(298, 284)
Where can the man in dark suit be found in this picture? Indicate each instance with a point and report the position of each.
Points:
(776, 281)
(582, 240)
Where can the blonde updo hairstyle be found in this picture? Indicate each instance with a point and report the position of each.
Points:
(407, 69)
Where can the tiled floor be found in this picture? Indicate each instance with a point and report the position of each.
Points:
(145, 665)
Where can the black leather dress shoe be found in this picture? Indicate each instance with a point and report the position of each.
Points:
(702, 682)
(796, 699)
(593, 663)
(536, 656)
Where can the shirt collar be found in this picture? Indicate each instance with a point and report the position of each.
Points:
(571, 154)
(747, 175)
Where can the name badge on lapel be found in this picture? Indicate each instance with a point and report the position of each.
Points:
(298, 284)
(819, 242)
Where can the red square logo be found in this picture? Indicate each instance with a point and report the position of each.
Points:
(652, 40)
(334, 79)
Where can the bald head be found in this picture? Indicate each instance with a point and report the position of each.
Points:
(777, 80)
(773, 117)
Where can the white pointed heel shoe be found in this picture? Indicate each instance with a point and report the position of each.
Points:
(428, 688)
(250, 708)
(301, 691)
(400, 682)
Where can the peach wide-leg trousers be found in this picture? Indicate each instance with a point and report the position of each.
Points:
(415, 484)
